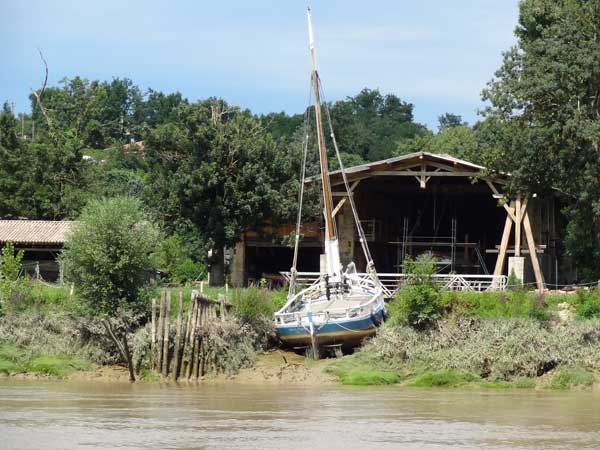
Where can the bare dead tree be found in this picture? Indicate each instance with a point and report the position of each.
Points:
(39, 95)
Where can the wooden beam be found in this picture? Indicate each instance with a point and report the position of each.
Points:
(497, 194)
(539, 276)
(429, 173)
(503, 246)
(518, 218)
(342, 201)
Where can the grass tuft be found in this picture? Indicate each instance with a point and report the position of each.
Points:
(572, 378)
(443, 378)
(370, 378)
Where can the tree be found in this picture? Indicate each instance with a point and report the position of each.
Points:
(107, 257)
(543, 124)
(449, 120)
(217, 169)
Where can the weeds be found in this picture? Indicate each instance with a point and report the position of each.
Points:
(443, 378)
(572, 378)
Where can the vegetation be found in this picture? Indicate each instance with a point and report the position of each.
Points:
(11, 283)
(419, 303)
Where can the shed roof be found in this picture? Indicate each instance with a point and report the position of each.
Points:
(35, 232)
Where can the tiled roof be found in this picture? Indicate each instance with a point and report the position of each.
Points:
(35, 232)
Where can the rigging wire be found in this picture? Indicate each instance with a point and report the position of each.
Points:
(361, 233)
(305, 143)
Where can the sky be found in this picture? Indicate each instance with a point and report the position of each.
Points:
(436, 54)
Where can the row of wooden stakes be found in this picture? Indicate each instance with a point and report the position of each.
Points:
(186, 357)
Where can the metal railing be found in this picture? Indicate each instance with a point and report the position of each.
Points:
(392, 282)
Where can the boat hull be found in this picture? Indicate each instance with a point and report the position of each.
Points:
(347, 332)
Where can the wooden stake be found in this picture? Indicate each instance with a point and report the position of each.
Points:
(222, 306)
(153, 331)
(176, 350)
(192, 337)
(161, 318)
(196, 346)
(165, 358)
(539, 276)
(518, 218)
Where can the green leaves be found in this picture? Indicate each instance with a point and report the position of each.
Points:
(108, 255)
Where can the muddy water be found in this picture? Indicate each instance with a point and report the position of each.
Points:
(53, 415)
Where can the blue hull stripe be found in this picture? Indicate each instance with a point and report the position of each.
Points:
(366, 323)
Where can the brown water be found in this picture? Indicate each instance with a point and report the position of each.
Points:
(67, 415)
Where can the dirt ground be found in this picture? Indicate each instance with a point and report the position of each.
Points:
(274, 367)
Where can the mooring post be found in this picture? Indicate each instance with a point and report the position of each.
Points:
(153, 332)
(165, 358)
(176, 350)
(161, 318)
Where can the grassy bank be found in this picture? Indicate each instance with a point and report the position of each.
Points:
(44, 331)
(514, 339)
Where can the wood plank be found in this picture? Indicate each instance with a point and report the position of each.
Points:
(178, 333)
(539, 276)
(503, 246)
(518, 217)
(509, 210)
(165, 356)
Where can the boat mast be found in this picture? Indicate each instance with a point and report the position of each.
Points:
(331, 243)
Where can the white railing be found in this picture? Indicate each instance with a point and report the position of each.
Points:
(392, 282)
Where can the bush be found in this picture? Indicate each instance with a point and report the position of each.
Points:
(588, 304)
(11, 281)
(419, 303)
(172, 258)
(495, 349)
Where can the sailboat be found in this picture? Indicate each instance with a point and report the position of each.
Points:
(341, 307)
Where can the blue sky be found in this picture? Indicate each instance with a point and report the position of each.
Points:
(437, 54)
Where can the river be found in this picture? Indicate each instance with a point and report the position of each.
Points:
(72, 415)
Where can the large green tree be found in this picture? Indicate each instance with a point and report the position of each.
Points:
(217, 170)
(543, 124)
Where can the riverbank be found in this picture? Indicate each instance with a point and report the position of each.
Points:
(504, 340)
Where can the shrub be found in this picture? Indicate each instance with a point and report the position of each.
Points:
(107, 256)
(588, 304)
(496, 349)
(11, 281)
(172, 258)
(419, 303)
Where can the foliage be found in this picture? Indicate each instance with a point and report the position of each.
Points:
(449, 120)
(419, 303)
(495, 349)
(11, 281)
(18, 360)
(107, 256)
(172, 258)
(509, 304)
(588, 303)
(543, 122)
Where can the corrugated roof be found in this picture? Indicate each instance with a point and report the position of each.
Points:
(35, 232)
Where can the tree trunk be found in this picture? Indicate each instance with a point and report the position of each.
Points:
(217, 268)
(122, 346)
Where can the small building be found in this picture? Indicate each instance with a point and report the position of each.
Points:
(41, 241)
(425, 202)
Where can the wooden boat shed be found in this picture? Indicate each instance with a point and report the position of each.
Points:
(426, 202)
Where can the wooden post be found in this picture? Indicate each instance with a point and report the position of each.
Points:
(165, 360)
(503, 246)
(153, 331)
(192, 335)
(161, 318)
(176, 350)
(518, 217)
(222, 306)
(539, 276)
(196, 346)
